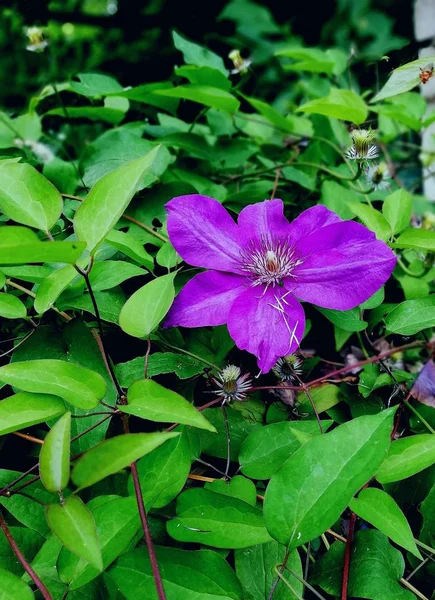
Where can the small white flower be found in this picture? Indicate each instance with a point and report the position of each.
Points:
(232, 385)
(42, 152)
(378, 176)
(241, 65)
(36, 39)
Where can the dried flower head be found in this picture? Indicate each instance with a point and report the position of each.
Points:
(232, 385)
(286, 367)
(241, 65)
(42, 152)
(378, 176)
(362, 149)
(37, 41)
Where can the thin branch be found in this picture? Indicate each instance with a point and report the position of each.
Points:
(227, 433)
(147, 357)
(15, 549)
(347, 554)
(17, 286)
(27, 437)
(279, 574)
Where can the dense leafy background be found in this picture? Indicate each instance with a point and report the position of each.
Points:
(127, 107)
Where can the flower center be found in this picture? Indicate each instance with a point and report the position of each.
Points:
(268, 261)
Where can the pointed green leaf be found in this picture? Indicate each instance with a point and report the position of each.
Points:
(205, 517)
(21, 245)
(117, 521)
(406, 457)
(403, 79)
(371, 219)
(108, 199)
(411, 316)
(110, 273)
(27, 197)
(308, 494)
(11, 307)
(203, 94)
(380, 510)
(79, 386)
(73, 524)
(130, 246)
(421, 239)
(194, 54)
(289, 123)
(52, 287)
(144, 310)
(14, 588)
(186, 575)
(115, 454)
(341, 104)
(26, 409)
(397, 209)
(150, 400)
(55, 455)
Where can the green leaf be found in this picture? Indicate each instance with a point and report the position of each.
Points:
(27, 197)
(130, 246)
(397, 209)
(109, 198)
(324, 397)
(93, 113)
(421, 239)
(44, 565)
(336, 197)
(12, 587)
(204, 76)
(290, 123)
(113, 455)
(159, 363)
(380, 510)
(21, 245)
(349, 320)
(267, 448)
(203, 94)
(374, 301)
(186, 575)
(340, 104)
(238, 487)
(147, 93)
(117, 523)
(79, 386)
(144, 310)
(28, 542)
(411, 316)
(95, 84)
(52, 287)
(308, 494)
(198, 55)
(110, 273)
(255, 568)
(150, 400)
(371, 219)
(375, 569)
(163, 472)
(109, 302)
(406, 457)
(11, 307)
(25, 409)
(403, 79)
(73, 524)
(217, 444)
(212, 519)
(55, 455)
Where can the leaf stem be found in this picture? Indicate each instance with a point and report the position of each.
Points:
(15, 549)
(346, 566)
(279, 571)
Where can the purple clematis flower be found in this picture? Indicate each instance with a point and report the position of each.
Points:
(262, 266)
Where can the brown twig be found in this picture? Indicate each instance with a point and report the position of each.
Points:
(347, 554)
(17, 286)
(15, 549)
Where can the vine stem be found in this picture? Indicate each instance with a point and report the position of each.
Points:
(278, 576)
(144, 519)
(347, 554)
(15, 549)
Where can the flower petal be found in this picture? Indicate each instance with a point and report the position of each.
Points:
(345, 265)
(203, 233)
(310, 221)
(262, 220)
(268, 324)
(205, 300)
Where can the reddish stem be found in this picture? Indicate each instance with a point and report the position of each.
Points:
(34, 577)
(148, 539)
(347, 554)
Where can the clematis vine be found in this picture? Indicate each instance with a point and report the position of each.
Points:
(262, 267)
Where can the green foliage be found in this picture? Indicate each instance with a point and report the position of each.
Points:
(93, 382)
